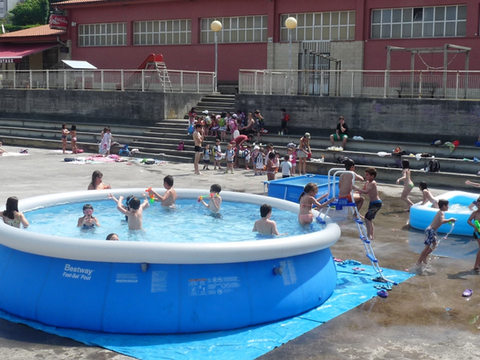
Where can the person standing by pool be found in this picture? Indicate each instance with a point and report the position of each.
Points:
(302, 153)
(106, 142)
(214, 200)
(265, 226)
(431, 242)
(170, 195)
(408, 184)
(97, 183)
(370, 189)
(307, 200)
(87, 221)
(11, 216)
(65, 132)
(198, 139)
(473, 220)
(73, 138)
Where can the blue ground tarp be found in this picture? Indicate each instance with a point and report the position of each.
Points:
(249, 343)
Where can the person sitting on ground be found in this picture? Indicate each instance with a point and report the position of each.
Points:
(265, 226)
(346, 185)
(214, 200)
(135, 211)
(341, 133)
(307, 200)
(473, 220)
(427, 195)
(431, 242)
(112, 237)
(97, 183)
(407, 183)
(170, 195)
(87, 221)
(11, 216)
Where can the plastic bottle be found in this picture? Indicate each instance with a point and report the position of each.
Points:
(322, 159)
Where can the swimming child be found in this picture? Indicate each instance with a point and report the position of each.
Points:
(427, 195)
(97, 183)
(370, 189)
(170, 195)
(87, 221)
(307, 200)
(473, 221)
(214, 200)
(408, 184)
(73, 138)
(135, 211)
(431, 242)
(65, 132)
(113, 237)
(265, 226)
(11, 216)
(206, 157)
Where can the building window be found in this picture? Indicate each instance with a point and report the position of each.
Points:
(235, 29)
(164, 32)
(337, 25)
(420, 22)
(50, 58)
(112, 34)
(3, 9)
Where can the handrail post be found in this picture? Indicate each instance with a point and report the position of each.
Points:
(198, 81)
(102, 80)
(143, 80)
(30, 80)
(456, 86)
(122, 81)
(321, 83)
(353, 78)
(64, 79)
(83, 79)
(48, 80)
(255, 84)
(386, 83)
(420, 85)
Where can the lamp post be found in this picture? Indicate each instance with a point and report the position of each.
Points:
(291, 24)
(216, 26)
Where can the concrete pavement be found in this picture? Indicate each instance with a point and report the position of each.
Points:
(412, 323)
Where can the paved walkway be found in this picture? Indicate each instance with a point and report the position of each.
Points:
(412, 323)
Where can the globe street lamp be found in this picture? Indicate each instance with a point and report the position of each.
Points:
(216, 26)
(291, 24)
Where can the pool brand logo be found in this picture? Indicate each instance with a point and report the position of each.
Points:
(77, 272)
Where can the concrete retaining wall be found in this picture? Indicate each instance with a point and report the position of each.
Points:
(133, 108)
(421, 120)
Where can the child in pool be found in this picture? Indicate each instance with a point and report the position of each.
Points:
(11, 216)
(407, 183)
(265, 226)
(475, 216)
(170, 195)
(307, 200)
(135, 211)
(427, 195)
(431, 242)
(214, 200)
(65, 132)
(113, 237)
(87, 221)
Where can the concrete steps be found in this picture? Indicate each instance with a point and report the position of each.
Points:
(217, 104)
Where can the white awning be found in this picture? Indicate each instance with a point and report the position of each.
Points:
(79, 64)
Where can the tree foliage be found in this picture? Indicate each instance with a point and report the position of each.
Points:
(30, 12)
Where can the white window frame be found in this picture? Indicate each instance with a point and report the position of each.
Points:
(237, 29)
(162, 32)
(102, 34)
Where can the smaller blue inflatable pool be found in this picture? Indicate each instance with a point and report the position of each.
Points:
(422, 215)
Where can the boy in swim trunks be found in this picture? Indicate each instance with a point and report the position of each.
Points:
(215, 201)
(345, 184)
(370, 189)
(135, 211)
(265, 226)
(431, 242)
(198, 139)
(170, 195)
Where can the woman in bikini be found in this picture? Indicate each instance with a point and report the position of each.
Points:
(97, 183)
(408, 184)
(307, 200)
(11, 216)
(302, 153)
(73, 138)
(65, 132)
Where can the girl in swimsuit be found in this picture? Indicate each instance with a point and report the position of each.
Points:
(427, 195)
(271, 166)
(65, 132)
(11, 216)
(97, 183)
(407, 183)
(87, 221)
(307, 200)
(302, 153)
(73, 138)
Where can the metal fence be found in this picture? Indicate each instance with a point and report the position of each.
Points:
(104, 80)
(437, 84)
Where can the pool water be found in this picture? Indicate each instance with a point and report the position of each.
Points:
(188, 222)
